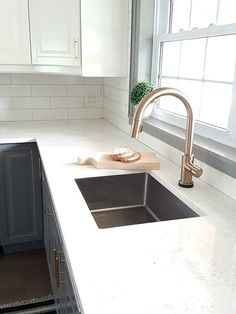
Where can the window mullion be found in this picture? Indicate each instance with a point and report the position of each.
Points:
(232, 114)
(196, 80)
(218, 11)
(170, 16)
(190, 14)
(161, 26)
(203, 76)
(179, 61)
(213, 30)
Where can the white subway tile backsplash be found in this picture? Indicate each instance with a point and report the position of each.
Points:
(5, 102)
(85, 113)
(117, 95)
(117, 82)
(15, 90)
(117, 121)
(219, 180)
(154, 143)
(27, 79)
(49, 90)
(66, 79)
(5, 78)
(31, 102)
(15, 115)
(45, 97)
(84, 90)
(175, 155)
(95, 89)
(50, 114)
(116, 108)
(76, 90)
(67, 102)
(94, 80)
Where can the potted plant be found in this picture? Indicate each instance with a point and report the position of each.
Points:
(138, 92)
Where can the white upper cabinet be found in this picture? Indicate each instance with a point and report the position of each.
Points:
(14, 32)
(88, 37)
(55, 32)
(104, 30)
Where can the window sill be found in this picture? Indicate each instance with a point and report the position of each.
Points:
(216, 155)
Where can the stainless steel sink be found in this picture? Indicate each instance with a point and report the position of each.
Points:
(130, 199)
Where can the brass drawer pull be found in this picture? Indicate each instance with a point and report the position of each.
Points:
(56, 269)
(61, 273)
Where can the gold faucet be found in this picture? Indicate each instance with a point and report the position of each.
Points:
(188, 168)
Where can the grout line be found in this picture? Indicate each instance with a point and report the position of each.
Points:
(120, 89)
(115, 101)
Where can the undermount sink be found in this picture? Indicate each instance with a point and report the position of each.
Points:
(129, 199)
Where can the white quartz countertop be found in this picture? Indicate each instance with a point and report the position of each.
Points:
(179, 266)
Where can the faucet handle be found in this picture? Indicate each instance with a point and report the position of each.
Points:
(195, 170)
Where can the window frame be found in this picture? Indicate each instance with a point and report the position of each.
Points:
(164, 9)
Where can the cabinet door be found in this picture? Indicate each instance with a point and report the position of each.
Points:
(70, 301)
(55, 32)
(65, 300)
(20, 191)
(53, 247)
(58, 283)
(104, 30)
(14, 32)
(47, 224)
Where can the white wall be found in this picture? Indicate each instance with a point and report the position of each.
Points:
(116, 98)
(49, 97)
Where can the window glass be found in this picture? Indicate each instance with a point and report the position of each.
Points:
(181, 15)
(188, 14)
(196, 68)
(227, 12)
(203, 13)
(192, 58)
(193, 90)
(216, 101)
(171, 53)
(220, 58)
(171, 103)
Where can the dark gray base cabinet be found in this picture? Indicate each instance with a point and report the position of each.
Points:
(57, 264)
(20, 197)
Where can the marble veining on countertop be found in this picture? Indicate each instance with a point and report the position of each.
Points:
(180, 266)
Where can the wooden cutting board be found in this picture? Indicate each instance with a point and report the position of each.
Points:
(103, 160)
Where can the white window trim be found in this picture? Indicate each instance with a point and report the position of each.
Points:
(227, 137)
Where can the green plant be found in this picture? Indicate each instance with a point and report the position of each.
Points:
(140, 90)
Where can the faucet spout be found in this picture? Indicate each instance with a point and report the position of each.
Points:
(188, 169)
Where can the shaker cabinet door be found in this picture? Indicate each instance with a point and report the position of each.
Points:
(14, 32)
(47, 226)
(55, 32)
(20, 194)
(104, 29)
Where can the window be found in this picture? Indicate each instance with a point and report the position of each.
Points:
(196, 44)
